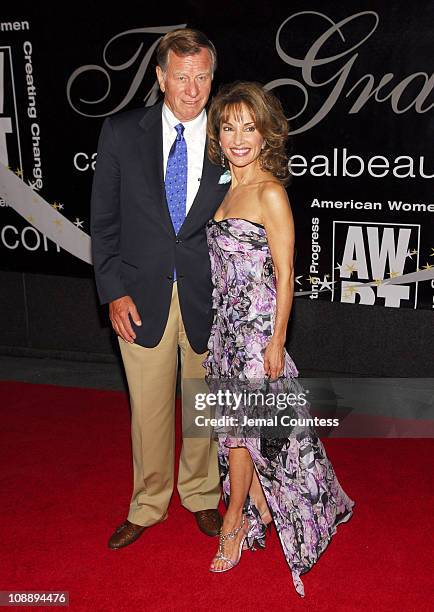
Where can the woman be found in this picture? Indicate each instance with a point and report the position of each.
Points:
(251, 240)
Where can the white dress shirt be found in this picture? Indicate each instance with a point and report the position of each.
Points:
(195, 138)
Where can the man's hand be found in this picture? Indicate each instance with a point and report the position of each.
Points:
(118, 312)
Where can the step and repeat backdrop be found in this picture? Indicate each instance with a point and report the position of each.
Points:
(357, 88)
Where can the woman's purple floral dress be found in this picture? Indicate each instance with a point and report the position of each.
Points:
(302, 491)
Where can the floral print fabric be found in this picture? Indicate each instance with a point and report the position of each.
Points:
(302, 491)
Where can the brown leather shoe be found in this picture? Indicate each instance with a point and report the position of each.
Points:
(209, 521)
(127, 533)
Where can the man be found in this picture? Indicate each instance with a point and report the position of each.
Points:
(154, 190)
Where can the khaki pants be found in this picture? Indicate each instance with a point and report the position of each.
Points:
(151, 375)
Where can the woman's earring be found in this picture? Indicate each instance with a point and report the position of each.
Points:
(264, 144)
(222, 158)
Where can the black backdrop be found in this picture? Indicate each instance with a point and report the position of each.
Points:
(384, 48)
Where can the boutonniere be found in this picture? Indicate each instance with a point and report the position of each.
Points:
(225, 178)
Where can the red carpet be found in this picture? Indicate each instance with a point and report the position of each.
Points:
(66, 481)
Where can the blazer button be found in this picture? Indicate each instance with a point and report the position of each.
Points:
(178, 241)
(170, 276)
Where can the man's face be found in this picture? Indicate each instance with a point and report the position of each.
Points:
(186, 83)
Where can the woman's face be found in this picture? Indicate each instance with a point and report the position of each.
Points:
(239, 139)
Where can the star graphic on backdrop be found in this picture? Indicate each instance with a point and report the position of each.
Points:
(30, 219)
(19, 172)
(350, 268)
(432, 254)
(56, 205)
(378, 281)
(428, 266)
(57, 222)
(346, 294)
(339, 267)
(392, 274)
(352, 289)
(78, 223)
(296, 279)
(325, 284)
(311, 279)
(409, 254)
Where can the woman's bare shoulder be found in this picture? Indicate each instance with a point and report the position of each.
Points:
(273, 197)
(273, 188)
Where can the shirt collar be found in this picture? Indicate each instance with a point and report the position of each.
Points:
(198, 123)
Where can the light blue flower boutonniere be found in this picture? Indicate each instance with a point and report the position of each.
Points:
(225, 178)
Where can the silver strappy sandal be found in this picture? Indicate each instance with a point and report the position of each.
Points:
(220, 556)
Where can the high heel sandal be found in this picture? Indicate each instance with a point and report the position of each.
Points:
(256, 543)
(269, 520)
(261, 514)
(220, 556)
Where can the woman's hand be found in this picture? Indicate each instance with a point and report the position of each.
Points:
(274, 358)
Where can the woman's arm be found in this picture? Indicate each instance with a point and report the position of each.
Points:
(279, 225)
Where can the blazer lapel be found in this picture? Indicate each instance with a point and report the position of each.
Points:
(209, 179)
(150, 144)
(151, 149)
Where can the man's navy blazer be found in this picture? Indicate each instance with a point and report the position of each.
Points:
(134, 246)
